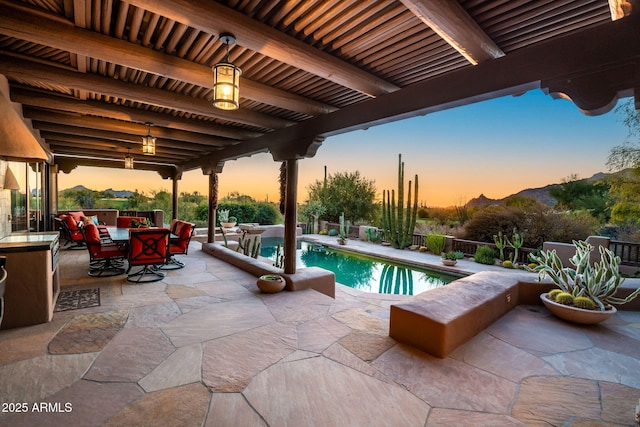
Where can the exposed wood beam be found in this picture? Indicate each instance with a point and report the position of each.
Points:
(451, 22)
(24, 23)
(619, 8)
(107, 146)
(63, 147)
(32, 71)
(67, 164)
(213, 17)
(132, 130)
(118, 112)
(120, 138)
(610, 65)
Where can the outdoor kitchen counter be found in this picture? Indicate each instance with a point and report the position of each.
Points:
(32, 284)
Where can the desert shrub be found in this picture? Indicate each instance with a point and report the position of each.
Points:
(488, 222)
(538, 223)
(435, 242)
(485, 255)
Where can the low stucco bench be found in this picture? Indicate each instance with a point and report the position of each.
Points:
(440, 320)
(319, 279)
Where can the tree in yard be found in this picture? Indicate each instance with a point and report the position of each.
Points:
(346, 192)
(579, 194)
(625, 187)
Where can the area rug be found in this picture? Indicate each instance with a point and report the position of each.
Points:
(74, 300)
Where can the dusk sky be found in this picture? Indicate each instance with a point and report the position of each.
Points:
(496, 147)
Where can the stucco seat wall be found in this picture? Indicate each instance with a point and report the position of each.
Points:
(321, 280)
(440, 320)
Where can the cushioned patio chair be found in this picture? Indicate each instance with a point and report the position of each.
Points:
(149, 249)
(180, 245)
(106, 258)
(71, 231)
(125, 221)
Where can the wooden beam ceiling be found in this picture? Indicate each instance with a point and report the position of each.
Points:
(214, 18)
(37, 27)
(451, 22)
(555, 66)
(31, 71)
(133, 129)
(117, 112)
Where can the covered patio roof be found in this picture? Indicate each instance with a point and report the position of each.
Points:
(90, 75)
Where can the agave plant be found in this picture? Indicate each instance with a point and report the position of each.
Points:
(598, 282)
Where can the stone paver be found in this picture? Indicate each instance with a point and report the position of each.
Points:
(544, 401)
(229, 363)
(232, 410)
(320, 392)
(131, 355)
(88, 333)
(174, 407)
(99, 402)
(217, 320)
(204, 347)
(34, 379)
(182, 367)
(446, 383)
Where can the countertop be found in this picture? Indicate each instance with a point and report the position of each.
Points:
(36, 241)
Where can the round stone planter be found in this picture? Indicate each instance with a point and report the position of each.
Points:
(449, 262)
(227, 224)
(577, 315)
(271, 283)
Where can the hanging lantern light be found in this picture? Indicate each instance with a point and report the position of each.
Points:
(128, 160)
(149, 142)
(226, 80)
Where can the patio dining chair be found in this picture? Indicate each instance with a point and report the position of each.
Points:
(71, 231)
(106, 258)
(149, 249)
(180, 245)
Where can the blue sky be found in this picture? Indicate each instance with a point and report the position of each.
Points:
(496, 147)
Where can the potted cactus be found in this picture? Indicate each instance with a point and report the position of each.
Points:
(226, 221)
(586, 292)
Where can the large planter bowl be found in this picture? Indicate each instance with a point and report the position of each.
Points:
(271, 283)
(577, 315)
(449, 262)
(227, 224)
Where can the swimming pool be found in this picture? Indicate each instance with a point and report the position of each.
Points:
(366, 273)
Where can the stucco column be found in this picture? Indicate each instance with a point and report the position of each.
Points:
(290, 217)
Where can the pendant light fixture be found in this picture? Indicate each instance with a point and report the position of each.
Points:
(149, 142)
(226, 79)
(128, 160)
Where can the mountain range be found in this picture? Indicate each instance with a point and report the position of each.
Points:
(541, 194)
(116, 193)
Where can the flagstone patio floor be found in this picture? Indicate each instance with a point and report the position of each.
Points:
(204, 347)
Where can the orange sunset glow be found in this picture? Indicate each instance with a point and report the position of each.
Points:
(495, 148)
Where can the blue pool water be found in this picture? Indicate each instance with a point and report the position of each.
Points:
(368, 274)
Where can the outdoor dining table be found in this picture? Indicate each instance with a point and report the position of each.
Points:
(121, 235)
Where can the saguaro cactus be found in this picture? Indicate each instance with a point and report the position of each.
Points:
(399, 222)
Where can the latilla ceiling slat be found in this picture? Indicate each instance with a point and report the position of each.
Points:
(136, 15)
(150, 29)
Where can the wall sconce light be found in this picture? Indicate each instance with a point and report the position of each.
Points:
(128, 160)
(149, 142)
(226, 80)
